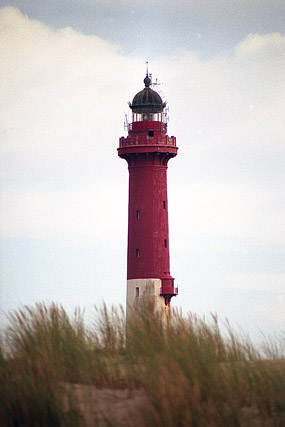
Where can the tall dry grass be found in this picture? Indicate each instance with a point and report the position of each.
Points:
(190, 372)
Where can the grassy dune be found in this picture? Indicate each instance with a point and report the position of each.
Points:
(56, 371)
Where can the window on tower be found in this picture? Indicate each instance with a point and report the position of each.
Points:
(164, 204)
(165, 243)
(138, 214)
(152, 117)
(137, 253)
(150, 133)
(147, 117)
(137, 292)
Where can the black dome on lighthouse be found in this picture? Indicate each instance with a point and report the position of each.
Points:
(147, 100)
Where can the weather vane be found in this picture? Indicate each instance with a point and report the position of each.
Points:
(150, 76)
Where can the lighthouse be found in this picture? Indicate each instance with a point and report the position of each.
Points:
(147, 150)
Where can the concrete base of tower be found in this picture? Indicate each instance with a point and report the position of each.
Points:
(141, 292)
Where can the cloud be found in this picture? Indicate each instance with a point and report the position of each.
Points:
(263, 298)
(63, 98)
(270, 311)
(260, 44)
(271, 282)
(232, 99)
(57, 79)
(228, 211)
(82, 215)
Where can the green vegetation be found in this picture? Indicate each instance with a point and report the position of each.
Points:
(186, 372)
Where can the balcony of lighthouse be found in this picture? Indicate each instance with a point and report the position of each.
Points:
(147, 133)
(147, 129)
(150, 138)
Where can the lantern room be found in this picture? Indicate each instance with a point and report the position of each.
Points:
(147, 105)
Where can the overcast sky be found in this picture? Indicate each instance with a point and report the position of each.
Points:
(68, 70)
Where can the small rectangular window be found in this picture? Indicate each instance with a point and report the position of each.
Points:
(138, 214)
(137, 253)
(150, 133)
(165, 243)
(164, 204)
(137, 292)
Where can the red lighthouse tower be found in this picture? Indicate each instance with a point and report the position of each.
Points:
(147, 149)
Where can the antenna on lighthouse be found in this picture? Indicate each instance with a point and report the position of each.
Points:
(126, 123)
(149, 75)
(158, 89)
(154, 83)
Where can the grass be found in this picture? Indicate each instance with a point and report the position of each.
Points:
(186, 371)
